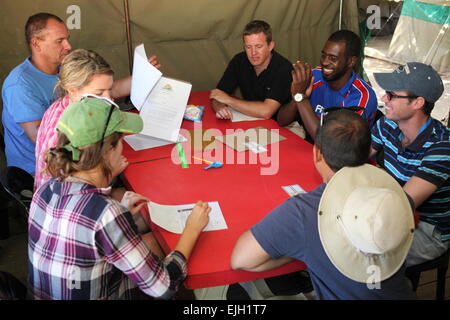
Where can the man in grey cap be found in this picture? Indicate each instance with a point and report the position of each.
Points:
(417, 152)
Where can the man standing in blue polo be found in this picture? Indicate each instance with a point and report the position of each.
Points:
(417, 152)
(333, 84)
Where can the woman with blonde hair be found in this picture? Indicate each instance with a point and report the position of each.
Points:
(82, 72)
(82, 243)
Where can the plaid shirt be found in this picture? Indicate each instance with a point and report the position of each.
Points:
(85, 245)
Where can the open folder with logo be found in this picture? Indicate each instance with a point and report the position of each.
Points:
(161, 102)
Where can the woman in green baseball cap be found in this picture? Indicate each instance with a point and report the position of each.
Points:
(83, 244)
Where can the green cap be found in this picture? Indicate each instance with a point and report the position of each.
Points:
(83, 122)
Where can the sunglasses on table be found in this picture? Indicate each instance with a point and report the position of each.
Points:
(112, 105)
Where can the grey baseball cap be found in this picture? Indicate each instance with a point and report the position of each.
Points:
(418, 78)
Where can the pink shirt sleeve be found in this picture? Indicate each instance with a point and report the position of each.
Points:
(47, 138)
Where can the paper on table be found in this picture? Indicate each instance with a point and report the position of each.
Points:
(140, 142)
(145, 76)
(239, 116)
(260, 137)
(293, 190)
(255, 147)
(173, 218)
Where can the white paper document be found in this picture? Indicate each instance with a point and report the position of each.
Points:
(164, 108)
(293, 190)
(255, 147)
(239, 116)
(160, 100)
(145, 76)
(173, 218)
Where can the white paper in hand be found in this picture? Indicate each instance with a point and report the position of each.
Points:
(145, 76)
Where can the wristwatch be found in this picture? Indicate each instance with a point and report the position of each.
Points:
(298, 97)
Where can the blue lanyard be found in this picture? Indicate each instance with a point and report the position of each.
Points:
(422, 128)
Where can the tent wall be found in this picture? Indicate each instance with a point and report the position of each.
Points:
(194, 40)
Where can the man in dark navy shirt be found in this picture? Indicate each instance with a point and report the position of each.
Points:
(262, 74)
(353, 231)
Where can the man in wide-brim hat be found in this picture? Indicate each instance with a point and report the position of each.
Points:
(353, 231)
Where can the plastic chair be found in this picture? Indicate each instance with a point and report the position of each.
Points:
(440, 263)
(18, 184)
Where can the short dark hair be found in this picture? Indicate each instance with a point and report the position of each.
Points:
(351, 40)
(427, 107)
(257, 26)
(36, 23)
(344, 139)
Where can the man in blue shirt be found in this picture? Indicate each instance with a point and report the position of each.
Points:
(28, 90)
(353, 232)
(333, 84)
(417, 152)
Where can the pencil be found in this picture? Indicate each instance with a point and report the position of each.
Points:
(207, 161)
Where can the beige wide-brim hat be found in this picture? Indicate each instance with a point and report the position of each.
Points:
(366, 223)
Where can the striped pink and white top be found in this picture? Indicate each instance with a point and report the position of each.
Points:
(47, 137)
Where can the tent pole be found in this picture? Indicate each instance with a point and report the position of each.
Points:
(129, 43)
(340, 14)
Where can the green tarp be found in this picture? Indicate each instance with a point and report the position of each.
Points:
(423, 34)
(428, 12)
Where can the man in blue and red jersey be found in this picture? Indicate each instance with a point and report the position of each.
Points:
(333, 84)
